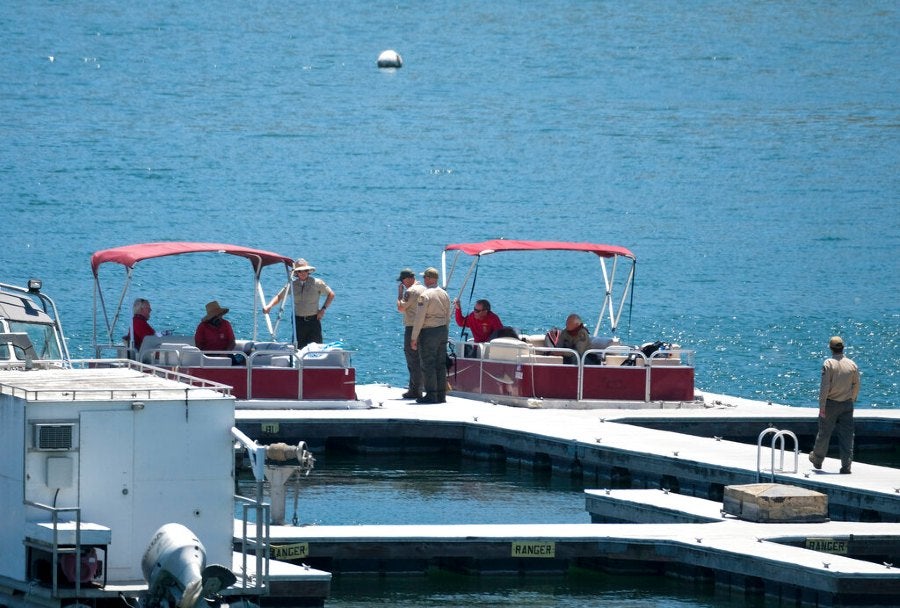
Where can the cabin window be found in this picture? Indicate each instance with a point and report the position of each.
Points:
(42, 336)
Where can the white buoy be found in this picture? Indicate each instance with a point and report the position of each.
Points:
(390, 59)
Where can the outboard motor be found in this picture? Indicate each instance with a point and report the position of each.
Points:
(174, 566)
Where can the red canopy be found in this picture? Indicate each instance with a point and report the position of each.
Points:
(486, 247)
(130, 255)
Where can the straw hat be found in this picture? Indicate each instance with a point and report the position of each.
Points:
(213, 310)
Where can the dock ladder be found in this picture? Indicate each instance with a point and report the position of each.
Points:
(777, 438)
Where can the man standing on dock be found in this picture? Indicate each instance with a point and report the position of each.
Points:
(408, 292)
(837, 393)
(430, 332)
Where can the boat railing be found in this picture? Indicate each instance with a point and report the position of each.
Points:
(619, 355)
(188, 383)
(56, 548)
(181, 353)
(254, 545)
(527, 352)
(258, 543)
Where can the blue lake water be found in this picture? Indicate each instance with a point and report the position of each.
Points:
(747, 153)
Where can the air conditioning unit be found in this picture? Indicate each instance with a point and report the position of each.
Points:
(52, 437)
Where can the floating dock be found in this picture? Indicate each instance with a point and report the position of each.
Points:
(637, 474)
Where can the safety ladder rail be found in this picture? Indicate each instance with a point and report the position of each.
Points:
(777, 437)
(55, 550)
(260, 509)
(259, 542)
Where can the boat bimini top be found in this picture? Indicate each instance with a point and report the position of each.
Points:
(129, 255)
(609, 256)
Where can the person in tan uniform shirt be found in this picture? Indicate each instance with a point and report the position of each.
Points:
(838, 391)
(408, 292)
(430, 332)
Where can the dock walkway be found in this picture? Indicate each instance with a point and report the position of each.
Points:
(731, 552)
(681, 476)
(608, 454)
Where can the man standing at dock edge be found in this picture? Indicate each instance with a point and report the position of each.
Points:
(837, 393)
(408, 292)
(430, 332)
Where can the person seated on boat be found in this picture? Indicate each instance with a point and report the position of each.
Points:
(481, 321)
(140, 323)
(574, 336)
(506, 332)
(214, 333)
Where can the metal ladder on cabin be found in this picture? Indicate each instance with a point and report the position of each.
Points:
(777, 437)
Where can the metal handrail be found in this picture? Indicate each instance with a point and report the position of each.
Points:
(257, 455)
(190, 383)
(260, 541)
(55, 550)
(646, 363)
(777, 437)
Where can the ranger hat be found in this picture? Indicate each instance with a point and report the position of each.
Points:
(302, 264)
(406, 273)
(836, 342)
(431, 273)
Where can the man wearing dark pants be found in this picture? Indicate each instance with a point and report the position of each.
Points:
(429, 337)
(837, 393)
(306, 291)
(408, 293)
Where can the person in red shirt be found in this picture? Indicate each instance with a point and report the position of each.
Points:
(140, 323)
(481, 321)
(214, 332)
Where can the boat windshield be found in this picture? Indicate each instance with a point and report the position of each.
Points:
(42, 336)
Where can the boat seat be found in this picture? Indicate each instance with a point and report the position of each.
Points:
(516, 351)
(616, 356)
(191, 356)
(507, 349)
(162, 350)
(263, 359)
(277, 354)
(534, 339)
(325, 358)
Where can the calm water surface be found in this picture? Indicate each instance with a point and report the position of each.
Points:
(746, 152)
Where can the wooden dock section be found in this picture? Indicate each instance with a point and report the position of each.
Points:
(682, 478)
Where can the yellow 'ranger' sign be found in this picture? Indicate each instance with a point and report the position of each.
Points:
(534, 549)
(288, 552)
(827, 545)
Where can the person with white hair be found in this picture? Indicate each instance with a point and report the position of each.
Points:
(140, 323)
